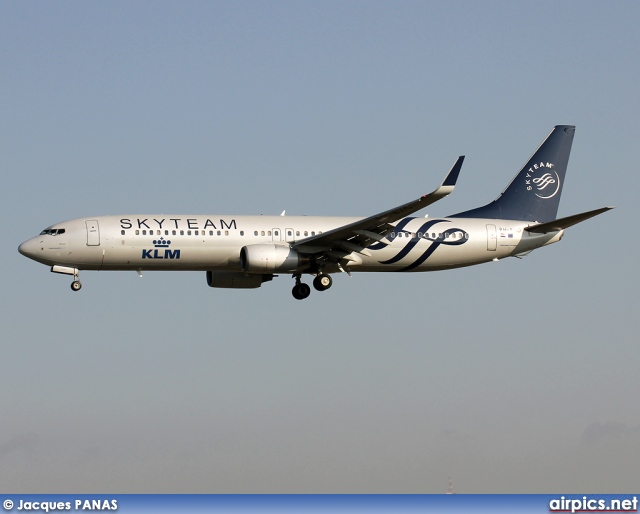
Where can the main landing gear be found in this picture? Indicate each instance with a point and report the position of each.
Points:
(300, 291)
(76, 285)
(322, 282)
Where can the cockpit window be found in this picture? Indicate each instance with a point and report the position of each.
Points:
(52, 231)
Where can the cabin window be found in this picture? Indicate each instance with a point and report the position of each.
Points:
(122, 232)
(188, 232)
(262, 232)
(269, 233)
(306, 232)
(182, 232)
(226, 232)
(137, 232)
(255, 232)
(242, 232)
(297, 232)
(313, 233)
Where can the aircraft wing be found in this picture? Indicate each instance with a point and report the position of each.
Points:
(562, 223)
(338, 243)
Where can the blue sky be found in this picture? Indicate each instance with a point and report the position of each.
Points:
(519, 376)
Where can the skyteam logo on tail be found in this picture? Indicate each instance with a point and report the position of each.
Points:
(158, 254)
(543, 179)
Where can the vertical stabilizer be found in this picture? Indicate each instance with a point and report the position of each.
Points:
(534, 193)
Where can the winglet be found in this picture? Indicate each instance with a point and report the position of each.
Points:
(452, 177)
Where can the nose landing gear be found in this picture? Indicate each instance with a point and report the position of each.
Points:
(76, 285)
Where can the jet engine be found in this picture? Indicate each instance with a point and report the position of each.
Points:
(236, 280)
(266, 257)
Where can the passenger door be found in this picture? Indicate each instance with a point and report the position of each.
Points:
(93, 233)
(492, 239)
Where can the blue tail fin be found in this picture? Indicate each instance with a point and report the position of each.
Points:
(534, 193)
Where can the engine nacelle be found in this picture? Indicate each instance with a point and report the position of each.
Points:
(236, 280)
(261, 258)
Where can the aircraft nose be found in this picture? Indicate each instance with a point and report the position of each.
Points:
(28, 248)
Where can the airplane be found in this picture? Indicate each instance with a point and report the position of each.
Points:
(243, 252)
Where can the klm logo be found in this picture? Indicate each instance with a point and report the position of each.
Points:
(161, 251)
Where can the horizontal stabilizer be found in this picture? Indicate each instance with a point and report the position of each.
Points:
(562, 223)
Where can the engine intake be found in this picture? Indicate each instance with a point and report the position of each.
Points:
(268, 257)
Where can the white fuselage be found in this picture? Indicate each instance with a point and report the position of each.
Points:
(196, 242)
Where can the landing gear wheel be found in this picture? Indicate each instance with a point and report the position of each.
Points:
(301, 291)
(76, 285)
(322, 282)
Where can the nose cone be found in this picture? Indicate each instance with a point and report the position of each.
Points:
(29, 248)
